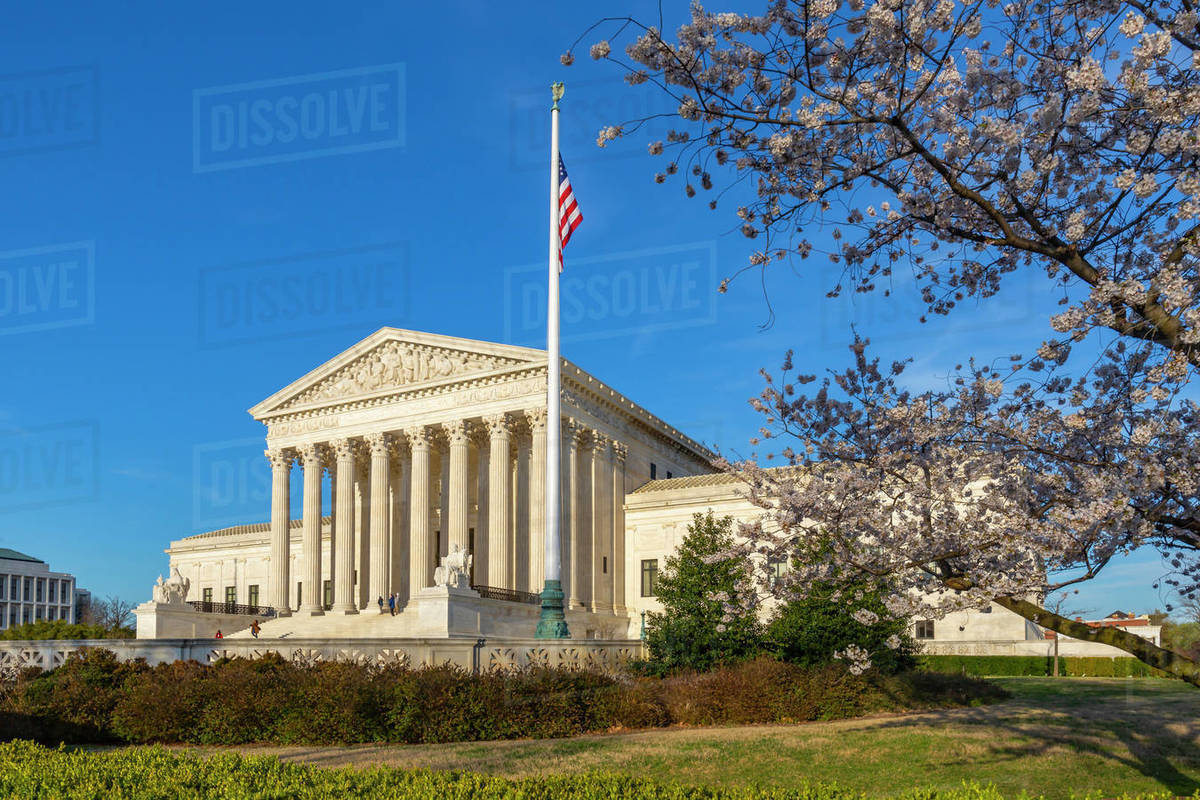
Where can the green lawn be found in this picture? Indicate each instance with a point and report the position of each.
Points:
(1058, 738)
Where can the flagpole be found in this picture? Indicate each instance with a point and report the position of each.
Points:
(553, 624)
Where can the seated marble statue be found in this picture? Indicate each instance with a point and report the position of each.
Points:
(455, 570)
(173, 590)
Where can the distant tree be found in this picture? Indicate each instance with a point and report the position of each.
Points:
(701, 625)
(822, 625)
(111, 613)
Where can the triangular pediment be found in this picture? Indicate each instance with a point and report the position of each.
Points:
(393, 360)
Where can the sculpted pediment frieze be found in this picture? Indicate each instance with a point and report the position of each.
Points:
(397, 365)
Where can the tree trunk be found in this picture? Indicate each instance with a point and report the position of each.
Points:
(1141, 649)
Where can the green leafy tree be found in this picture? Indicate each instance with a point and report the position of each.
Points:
(694, 631)
(61, 629)
(820, 626)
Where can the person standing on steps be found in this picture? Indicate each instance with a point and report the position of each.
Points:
(392, 603)
(380, 605)
(254, 629)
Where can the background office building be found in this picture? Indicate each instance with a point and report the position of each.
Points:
(30, 592)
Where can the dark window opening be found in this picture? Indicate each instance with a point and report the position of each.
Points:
(924, 629)
(649, 577)
(653, 470)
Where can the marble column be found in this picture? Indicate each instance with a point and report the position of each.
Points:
(443, 500)
(379, 576)
(311, 456)
(342, 543)
(420, 562)
(281, 530)
(574, 550)
(362, 525)
(537, 498)
(618, 526)
(483, 460)
(601, 522)
(458, 444)
(521, 533)
(499, 530)
(585, 533)
(400, 510)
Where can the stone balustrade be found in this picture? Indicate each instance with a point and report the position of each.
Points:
(476, 655)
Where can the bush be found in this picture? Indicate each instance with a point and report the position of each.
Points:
(61, 629)
(1040, 666)
(810, 631)
(97, 698)
(693, 630)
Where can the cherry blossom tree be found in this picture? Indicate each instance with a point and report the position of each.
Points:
(963, 141)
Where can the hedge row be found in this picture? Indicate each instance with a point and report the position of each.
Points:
(94, 697)
(1040, 666)
(27, 770)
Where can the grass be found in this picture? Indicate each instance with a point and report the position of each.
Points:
(1057, 738)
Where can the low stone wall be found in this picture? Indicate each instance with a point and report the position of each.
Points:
(477, 655)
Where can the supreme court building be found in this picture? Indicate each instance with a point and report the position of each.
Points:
(425, 444)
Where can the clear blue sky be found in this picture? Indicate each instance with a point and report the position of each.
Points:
(168, 170)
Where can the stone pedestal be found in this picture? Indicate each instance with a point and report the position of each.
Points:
(445, 611)
(181, 621)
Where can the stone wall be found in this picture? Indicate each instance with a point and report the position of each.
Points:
(477, 655)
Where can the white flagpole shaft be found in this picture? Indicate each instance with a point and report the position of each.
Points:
(553, 565)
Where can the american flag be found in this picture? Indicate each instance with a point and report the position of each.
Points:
(569, 215)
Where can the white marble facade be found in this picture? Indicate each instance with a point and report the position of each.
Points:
(461, 424)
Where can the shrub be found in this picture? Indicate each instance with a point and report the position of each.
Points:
(61, 629)
(809, 631)
(75, 701)
(97, 698)
(1039, 666)
(693, 631)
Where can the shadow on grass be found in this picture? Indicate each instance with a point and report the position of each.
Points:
(1150, 731)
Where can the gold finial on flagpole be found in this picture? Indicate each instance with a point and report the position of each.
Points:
(557, 90)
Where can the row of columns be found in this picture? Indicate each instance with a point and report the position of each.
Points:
(509, 483)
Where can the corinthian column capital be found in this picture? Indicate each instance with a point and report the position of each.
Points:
(536, 418)
(280, 457)
(499, 426)
(457, 432)
(380, 444)
(418, 437)
(312, 456)
(343, 448)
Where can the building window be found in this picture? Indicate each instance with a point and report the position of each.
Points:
(924, 629)
(653, 470)
(37, 613)
(207, 596)
(649, 577)
(231, 594)
(28, 588)
(778, 569)
(669, 475)
(53, 591)
(252, 594)
(41, 589)
(25, 615)
(52, 613)
(604, 564)
(328, 595)
(3, 586)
